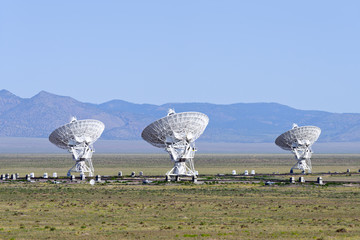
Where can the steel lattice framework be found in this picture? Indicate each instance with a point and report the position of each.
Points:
(299, 140)
(176, 133)
(78, 137)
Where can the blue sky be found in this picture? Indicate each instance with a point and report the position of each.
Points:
(304, 54)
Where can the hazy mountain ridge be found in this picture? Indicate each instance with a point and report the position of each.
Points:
(8, 100)
(241, 122)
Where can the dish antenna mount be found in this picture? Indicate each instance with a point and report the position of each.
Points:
(299, 141)
(78, 137)
(176, 133)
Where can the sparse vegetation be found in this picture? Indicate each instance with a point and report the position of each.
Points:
(230, 211)
(234, 210)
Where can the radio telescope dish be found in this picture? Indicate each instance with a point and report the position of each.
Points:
(299, 140)
(78, 137)
(176, 133)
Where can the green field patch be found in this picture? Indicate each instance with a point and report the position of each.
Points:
(212, 210)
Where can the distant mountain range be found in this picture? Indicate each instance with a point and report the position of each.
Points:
(241, 122)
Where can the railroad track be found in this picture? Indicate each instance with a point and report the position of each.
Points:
(219, 178)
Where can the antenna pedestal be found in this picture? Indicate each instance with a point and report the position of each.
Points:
(82, 155)
(182, 154)
(183, 168)
(302, 155)
(303, 165)
(82, 166)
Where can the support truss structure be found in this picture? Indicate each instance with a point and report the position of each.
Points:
(303, 157)
(182, 154)
(82, 155)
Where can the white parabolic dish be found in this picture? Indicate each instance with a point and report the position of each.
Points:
(76, 132)
(299, 141)
(178, 126)
(299, 135)
(176, 133)
(78, 138)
